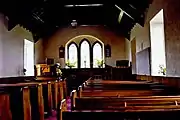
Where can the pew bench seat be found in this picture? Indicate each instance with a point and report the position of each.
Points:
(89, 93)
(118, 103)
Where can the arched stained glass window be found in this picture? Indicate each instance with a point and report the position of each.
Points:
(97, 54)
(73, 55)
(85, 54)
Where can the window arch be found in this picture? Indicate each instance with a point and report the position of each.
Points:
(73, 54)
(84, 54)
(97, 53)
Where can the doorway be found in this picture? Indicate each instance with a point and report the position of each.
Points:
(29, 57)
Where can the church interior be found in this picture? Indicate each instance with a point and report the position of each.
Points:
(77, 61)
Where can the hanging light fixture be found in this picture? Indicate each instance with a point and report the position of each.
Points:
(74, 23)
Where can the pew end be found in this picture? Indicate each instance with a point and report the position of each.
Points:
(61, 90)
(56, 94)
(26, 103)
(80, 91)
(86, 82)
(40, 102)
(65, 88)
(50, 100)
(63, 108)
(5, 112)
(83, 85)
(73, 97)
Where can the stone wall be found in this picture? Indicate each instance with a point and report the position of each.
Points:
(61, 37)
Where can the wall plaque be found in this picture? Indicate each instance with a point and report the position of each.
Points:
(108, 50)
(61, 52)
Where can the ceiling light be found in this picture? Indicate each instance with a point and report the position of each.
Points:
(84, 5)
(74, 23)
(69, 6)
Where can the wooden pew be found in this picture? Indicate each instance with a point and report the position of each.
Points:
(20, 105)
(109, 84)
(26, 104)
(22, 102)
(127, 113)
(37, 101)
(118, 103)
(119, 93)
(28, 98)
(115, 82)
(124, 87)
(50, 103)
(5, 112)
(65, 87)
(116, 93)
(53, 94)
(92, 104)
(125, 103)
(40, 102)
(49, 95)
(63, 107)
(56, 91)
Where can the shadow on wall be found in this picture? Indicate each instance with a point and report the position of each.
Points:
(143, 62)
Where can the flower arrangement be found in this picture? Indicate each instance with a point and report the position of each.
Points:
(58, 69)
(70, 64)
(100, 63)
(162, 70)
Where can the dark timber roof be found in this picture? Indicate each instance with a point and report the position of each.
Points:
(44, 17)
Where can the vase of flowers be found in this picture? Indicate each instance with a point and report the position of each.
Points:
(162, 69)
(100, 63)
(58, 70)
(70, 64)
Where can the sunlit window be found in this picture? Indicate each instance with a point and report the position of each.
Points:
(97, 54)
(85, 54)
(158, 58)
(72, 58)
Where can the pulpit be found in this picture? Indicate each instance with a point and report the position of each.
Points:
(42, 69)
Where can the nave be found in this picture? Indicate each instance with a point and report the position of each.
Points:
(57, 63)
